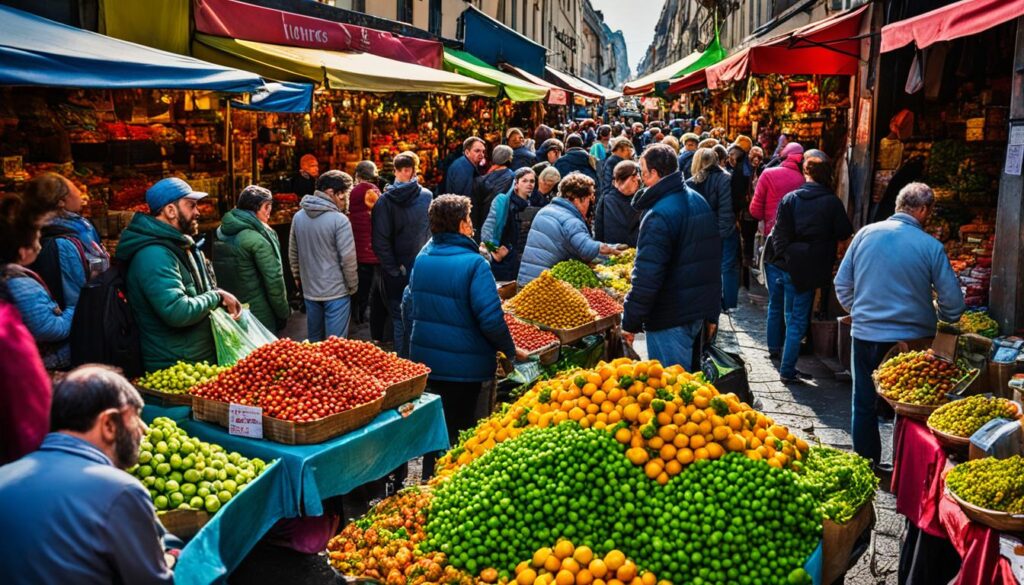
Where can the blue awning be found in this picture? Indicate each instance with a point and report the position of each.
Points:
(495, 43)
(283, 98)
(37, 51)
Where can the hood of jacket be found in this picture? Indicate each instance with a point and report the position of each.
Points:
(403, 194)
(563, 202)
(646, 198)
(542, 152)
(317, 204)
(812, 190)
(792, 156)
(145, 230)
(578, 156)
(449, 244)
(237, 220)
(494, 180)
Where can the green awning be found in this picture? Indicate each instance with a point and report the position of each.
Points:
(517, 89)
(711, 55)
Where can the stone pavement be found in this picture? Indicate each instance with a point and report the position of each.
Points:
(819, 410)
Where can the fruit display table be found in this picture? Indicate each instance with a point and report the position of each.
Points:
(303, 476)
(918, 484)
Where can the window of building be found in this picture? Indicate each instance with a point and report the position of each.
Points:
(433, 17)
(405, 11)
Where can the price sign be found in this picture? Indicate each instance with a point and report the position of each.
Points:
(245, 421)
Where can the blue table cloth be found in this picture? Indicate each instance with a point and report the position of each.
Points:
(303, 476)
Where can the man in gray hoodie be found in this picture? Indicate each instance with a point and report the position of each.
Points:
(322, 253)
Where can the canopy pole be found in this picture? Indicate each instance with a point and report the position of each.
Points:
(230, 156)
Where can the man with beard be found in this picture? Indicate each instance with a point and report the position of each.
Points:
(169, 290)
(78, 517)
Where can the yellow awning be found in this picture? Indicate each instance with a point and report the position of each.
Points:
(335, 69)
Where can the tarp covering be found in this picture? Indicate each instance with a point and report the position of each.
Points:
(645, 84)
(495, 43)
(284, 98)
(826, 47)
(337, 70)
(162, 25)
(689, 82)
(572, 83)
(556, 95)
(517, 90)
(956, 20)
(37, 51)
(239, 20)
(606, 93)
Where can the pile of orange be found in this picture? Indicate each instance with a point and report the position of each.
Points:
(665, 418)
(566, 564)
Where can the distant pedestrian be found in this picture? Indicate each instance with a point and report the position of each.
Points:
(689, 146)
(368, 303)
(713, 184)
(523, 154)
(500, 235)
(676, 283)
(621, 149)
(304, 181)
(498, 180)
(547, 187)
(400, 229)
(576, 159)
(247, 258)
(322, 254)
(810, 224)
(616, 221)
(599, 150)
(887, 280)
(462, 174)
(550, 151)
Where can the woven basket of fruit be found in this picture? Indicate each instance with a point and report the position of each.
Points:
(990, 491)
(954, 423)
(405, 391)
(295, 433)
(159, 398)
(993, 519)
(184, 523)
(916, 383)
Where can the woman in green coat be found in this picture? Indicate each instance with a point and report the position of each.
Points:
(247, 258)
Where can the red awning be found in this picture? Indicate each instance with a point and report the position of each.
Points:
(689, 82)
(826, 47)
(239, 20)
(960, 19)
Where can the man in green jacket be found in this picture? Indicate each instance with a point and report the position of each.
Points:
(247, 258)
(169, 290)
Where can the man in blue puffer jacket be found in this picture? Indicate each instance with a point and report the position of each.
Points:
(676, 282)
(457, 322)
(559, 231)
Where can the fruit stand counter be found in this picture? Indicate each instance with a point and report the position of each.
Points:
(919, 486)
(303, 476)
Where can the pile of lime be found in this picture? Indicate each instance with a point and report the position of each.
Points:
(994, 484)
(576, 273)
(184, 473)
(964, 417)
(732, 520)
(178, 378)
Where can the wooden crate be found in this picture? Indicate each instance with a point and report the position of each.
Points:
(569, 336)
(507, 290)
(164, 398)
(838, 541)
(294, 433)
(405, 391)
(547, 354)
(184, 523)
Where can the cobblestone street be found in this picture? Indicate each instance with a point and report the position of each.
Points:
(821, 409)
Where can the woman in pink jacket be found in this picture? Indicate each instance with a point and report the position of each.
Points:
(774, 184)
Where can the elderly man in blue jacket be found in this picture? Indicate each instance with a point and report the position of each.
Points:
(886, 281)
(70, 512)
(463, 172)
(677, 286)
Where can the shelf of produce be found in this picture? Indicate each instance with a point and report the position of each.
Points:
(295, 433)
(570, 336)
(300, 480)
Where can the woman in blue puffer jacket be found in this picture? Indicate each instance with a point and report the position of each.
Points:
(560, 232)
(457, 323)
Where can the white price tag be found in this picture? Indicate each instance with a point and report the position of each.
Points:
(245, 421)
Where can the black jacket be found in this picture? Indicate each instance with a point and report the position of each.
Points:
(606, 185)
(522, 157)
(400, 228)
(485, 189)
(686, 162)
(511, 238)
(810, 224)
(717, 191)
(576, 159)
(677, 274)
(615, 221)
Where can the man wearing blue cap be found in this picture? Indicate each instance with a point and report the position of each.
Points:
(169, 290)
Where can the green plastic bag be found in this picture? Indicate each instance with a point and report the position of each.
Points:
(237, 339)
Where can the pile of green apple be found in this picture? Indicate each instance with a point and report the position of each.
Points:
(184, 473)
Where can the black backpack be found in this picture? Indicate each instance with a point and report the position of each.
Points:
(47, 264)
(103, 329)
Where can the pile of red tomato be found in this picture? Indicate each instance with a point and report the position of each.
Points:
(601, 302)
(372, 361)
(528, 337)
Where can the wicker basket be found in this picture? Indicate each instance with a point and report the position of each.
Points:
(405, 391)
(164, 398)
(918, 412)
(184, 523)
(294, 433)
(991, 518)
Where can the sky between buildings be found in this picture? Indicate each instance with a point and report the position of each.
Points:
(636, 19)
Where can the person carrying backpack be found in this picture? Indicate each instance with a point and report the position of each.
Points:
(247, 258)
(71, 252)
(169, 290)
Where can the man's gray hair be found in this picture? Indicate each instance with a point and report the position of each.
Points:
(914, 196)
(550, 174)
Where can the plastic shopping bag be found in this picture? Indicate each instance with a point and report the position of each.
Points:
(237, 339)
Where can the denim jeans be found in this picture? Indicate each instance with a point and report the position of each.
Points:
(730, 271)
(798, 316)
(327, 318)
(865, 357)
(401, 339)
(674, 346)
(776, 307)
